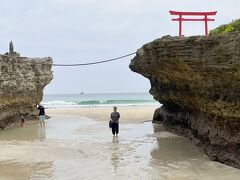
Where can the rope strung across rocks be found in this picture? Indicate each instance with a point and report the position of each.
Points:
(96, 62)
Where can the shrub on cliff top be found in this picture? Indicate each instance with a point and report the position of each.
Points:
(234, 26)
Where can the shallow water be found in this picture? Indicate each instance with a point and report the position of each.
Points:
(80, 148)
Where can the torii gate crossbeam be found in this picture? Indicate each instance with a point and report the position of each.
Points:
(205, 18)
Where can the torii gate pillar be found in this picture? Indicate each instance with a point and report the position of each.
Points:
(205, 18)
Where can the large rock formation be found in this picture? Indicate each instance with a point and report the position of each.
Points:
(21, 86)
(197, 79)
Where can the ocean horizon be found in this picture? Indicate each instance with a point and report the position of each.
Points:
(97, 99)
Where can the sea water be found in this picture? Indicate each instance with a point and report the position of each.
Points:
(73, 147)
(106, 99)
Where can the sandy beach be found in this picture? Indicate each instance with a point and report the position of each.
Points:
(129, 114)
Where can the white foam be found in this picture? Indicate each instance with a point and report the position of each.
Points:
(55, 104)
(65, 104)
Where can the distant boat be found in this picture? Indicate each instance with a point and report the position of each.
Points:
(82, 92)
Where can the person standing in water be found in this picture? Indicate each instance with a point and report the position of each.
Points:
(115, 121)
(41, 113)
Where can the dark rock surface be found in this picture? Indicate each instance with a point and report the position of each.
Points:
(197, 79)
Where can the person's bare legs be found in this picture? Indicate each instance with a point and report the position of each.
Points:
(42, 120)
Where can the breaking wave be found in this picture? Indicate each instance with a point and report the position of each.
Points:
(52, 104)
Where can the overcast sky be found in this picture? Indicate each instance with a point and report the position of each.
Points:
(78, 31)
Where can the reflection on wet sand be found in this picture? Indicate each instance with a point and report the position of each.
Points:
(174, 157)
(79, 148)
(115, 153)
(42, 133)
(26, 133)
(173, 148)
(18, 171)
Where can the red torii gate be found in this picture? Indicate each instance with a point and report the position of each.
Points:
(181, 19)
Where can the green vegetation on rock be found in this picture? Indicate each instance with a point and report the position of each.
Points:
(234, 26)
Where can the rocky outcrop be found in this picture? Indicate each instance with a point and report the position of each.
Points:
(197, 79)
(22, 81)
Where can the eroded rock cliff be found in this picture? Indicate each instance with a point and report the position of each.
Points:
(22, 81)
(197, 79)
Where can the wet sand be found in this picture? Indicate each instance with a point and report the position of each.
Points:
(78, 147)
